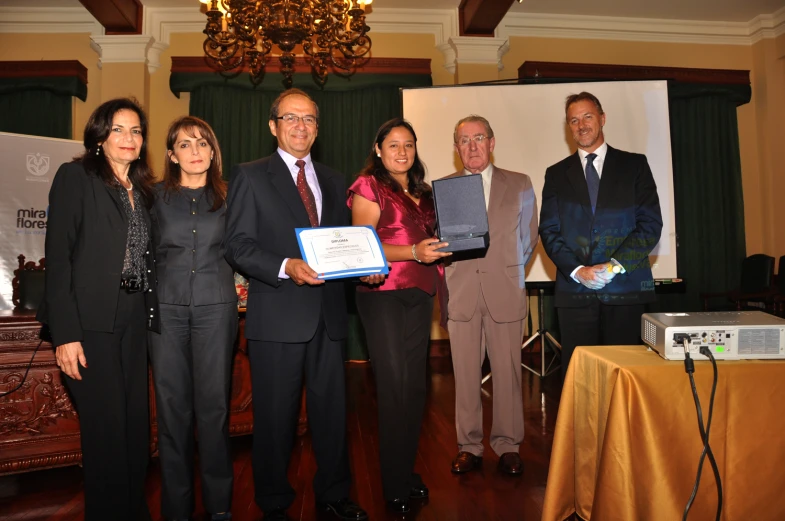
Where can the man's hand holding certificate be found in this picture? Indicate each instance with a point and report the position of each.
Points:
(341, 252)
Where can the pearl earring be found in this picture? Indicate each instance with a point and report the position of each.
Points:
(98, 150)
(378, 155)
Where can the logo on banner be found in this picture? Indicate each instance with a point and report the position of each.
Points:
(38, 166)
(31, 220)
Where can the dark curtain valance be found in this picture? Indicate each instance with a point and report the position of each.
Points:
(192, 72)
(63, 86)
(735, 94)
(62, 77)
(36, 98)
(191, 81)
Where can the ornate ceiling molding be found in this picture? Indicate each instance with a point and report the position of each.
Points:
(48, 20)
(642, 29)
(474, 49)
(122, 49)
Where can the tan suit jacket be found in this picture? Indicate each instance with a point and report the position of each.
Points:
(512, 219)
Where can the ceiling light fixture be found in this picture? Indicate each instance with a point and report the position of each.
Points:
(244, 32)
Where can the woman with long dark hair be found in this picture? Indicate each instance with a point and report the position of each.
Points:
(98, 299)
(192, 356)
(391, 195)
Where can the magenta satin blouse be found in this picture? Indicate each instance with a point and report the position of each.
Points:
(402, 222)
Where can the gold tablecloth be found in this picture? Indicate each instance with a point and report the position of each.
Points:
(626, 444)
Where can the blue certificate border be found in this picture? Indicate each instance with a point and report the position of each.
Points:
(352, 272)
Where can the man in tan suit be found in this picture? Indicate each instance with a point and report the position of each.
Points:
(487, 305)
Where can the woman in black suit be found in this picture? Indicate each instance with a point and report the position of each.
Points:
(98, 275)
(192, 356)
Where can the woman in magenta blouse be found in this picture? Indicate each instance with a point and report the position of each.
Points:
(391, 195)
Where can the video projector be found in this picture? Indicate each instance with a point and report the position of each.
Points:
(731, 335)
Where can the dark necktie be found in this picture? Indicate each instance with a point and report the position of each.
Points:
(306, 194)
(592, 180)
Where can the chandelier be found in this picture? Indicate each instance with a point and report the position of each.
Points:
(243, 32)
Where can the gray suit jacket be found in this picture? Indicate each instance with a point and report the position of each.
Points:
(512, 220)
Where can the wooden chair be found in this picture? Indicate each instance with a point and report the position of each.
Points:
(28, 284)
(757, 275)
(778, 300)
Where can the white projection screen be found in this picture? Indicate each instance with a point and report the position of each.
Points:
(531, 134)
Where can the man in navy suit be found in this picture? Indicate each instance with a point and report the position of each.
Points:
(599, 221)
(295, 322)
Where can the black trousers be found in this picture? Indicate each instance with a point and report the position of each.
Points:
(276, 378)
(598, 324)
(192, 371)
(397, 326)
(111, 399)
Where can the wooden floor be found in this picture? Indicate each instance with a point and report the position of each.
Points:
(56, 495)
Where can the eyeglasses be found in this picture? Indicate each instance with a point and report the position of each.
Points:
(465, 140)
(294, 119)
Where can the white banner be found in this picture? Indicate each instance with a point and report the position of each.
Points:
(27, 166)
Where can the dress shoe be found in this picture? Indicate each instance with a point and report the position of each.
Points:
(510, 463)
(399, 506)
(418, 492)
(278, 514)
(344, 509)
(465, 461)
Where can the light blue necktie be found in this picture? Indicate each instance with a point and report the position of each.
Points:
(592, 180)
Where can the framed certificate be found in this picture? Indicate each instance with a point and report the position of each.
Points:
(343, 251)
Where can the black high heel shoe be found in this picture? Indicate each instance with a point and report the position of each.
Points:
(399, 506)
(418, 492)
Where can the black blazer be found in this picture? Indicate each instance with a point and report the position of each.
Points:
(85, 247)
(625, 226)
(264, 208)
(188, 241)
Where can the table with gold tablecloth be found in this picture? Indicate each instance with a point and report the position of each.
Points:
(626, 444)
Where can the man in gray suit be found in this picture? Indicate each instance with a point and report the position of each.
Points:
(487, 305)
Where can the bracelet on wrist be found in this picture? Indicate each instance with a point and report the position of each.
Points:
(414, 253)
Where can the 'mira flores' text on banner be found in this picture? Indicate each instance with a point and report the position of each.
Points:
(27, 166)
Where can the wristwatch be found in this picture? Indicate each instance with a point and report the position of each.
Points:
(616, 267)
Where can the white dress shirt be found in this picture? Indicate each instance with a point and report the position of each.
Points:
(486, 174)
(598, 163)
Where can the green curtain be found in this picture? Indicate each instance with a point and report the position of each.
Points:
(350, 112)
(348, 121)
(37, 113)
(709, 202)
(39, 106)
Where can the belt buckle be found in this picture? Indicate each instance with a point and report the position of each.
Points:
(131, 285)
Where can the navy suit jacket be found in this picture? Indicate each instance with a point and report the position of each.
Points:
(626, 226)
(263, 209)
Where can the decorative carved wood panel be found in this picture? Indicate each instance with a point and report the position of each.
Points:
(39, 427)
